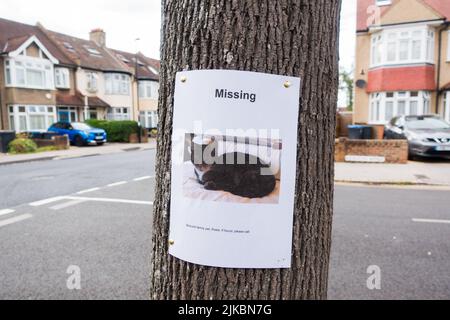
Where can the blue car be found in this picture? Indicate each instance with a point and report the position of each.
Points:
(80, 134)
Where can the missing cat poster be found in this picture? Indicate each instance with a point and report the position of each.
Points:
(234, 151)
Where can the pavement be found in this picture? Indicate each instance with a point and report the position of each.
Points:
(426, 172)
(95, 214)
(76, 152)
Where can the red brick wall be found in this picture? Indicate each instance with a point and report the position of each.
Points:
(402, 79)
(395, 151)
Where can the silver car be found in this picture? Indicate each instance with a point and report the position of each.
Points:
(428, 136)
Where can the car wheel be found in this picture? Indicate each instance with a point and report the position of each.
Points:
(79, 141)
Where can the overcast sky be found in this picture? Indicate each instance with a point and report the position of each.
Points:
(126, 20)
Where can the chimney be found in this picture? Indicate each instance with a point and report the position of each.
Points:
(98, 36)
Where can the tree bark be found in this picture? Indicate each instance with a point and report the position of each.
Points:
(286, 37)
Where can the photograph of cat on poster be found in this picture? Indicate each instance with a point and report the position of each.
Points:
(232, 169)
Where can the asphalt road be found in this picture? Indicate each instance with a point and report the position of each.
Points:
(95, 214)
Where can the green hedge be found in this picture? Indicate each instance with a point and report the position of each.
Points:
(22, 145)
(117, 131)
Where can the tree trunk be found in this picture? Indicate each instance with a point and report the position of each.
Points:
(286, 37)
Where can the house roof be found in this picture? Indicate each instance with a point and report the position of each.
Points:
(87, 53)
(72, 51)
(78, 100)
(364, 19)
(144, 65)
(14, 34)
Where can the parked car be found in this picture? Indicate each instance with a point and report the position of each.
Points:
(80, 134)
(428, 136)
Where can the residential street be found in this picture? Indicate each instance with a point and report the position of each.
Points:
(52, 216)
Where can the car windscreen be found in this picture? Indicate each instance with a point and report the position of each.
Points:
(81, 126)
(426, 123)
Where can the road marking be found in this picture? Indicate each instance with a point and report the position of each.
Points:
(67, 204)
(15, 219)
(45, 201)
(4, 212)
(117, 184)
(143, 178)
(88, 190)
(148, 203)
(431, 221)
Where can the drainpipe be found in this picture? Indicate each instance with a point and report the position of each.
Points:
(439, 65)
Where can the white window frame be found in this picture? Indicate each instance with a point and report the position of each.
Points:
(148, 89)
(446, 109)
(48, 112)
(379, 101)
(62, 80)
(25, 65)
(117, 84)
(92, 81)
(149, 119)
(387, 38)
(119, 114)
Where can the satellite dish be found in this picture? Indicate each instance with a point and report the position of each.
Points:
(361, 84)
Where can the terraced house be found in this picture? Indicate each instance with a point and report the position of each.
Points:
(46, 76)
(402, 59)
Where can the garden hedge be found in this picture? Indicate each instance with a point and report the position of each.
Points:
(117, 131)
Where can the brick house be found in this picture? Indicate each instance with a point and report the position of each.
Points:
(402, 59)
(47, 76)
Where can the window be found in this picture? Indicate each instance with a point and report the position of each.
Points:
(26, 72)
(383, 2)
(153, 70)
(69, 46)
(118, 114)
(8, 72)
(117, 84)
(397, 46)
(386, 105)
(148, 89)
(62, 78)
(92, 81)
(92, 51)
(148, 119)
(31, 118)
(446, 109)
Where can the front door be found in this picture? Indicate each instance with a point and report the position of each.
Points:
(63, 116)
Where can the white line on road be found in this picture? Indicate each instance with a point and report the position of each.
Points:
(45, 201)
(4, 212)
(67, 204)
(88, 190)
(117, 184)
(15, 219)
(148, 203)
(143, 178)
(431, 221)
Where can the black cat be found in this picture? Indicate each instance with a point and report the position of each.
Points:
(237, 173)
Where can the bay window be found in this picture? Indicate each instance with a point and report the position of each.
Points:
(92, 81)
(118, 114)
(28, 72)
(402, 46)
(386, 105)
(31, 118)
(117, 84)
(148, 119)
(62, 78)
(148, 89)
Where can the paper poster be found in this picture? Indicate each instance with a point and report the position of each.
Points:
(233, 168)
